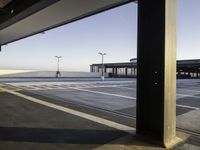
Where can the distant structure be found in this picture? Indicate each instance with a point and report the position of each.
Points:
(58, 74)
(185, 68)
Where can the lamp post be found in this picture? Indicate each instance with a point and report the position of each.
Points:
(102, 68)
(58, 74)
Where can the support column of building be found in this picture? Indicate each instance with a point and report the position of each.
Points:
(131, 71)
(189, 74)
(134, 71)
(113, 71)
(91, 68)
(156, 71)
(126, 72)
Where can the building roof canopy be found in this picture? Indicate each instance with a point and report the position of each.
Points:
(22, 18)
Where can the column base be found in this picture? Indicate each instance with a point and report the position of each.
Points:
(168, 145)
(173, 142)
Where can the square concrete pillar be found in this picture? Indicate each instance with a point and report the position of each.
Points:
(126, 71)
(156, 73)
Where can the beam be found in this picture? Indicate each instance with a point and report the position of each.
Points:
(156, 83)
(38, 18)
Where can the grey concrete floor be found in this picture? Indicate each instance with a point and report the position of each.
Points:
(113, 99)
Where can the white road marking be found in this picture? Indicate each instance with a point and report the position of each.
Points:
(122, 87)
(51, 86)
(185, 95)
(198, 91)
(93, 118)
(103, 93)
(109, 94)
(184, 106)
(72, 83)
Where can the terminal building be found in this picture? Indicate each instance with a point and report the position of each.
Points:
(185, 68)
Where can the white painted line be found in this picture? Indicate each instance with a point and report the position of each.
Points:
(198, 91)
(122, 87)
(103, 93)
(49, 87)
(185, 95)
(93, 118)
(184, 106)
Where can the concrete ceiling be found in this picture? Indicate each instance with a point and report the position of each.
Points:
(55, 14)
(3, 3)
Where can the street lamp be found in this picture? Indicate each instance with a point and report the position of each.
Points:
(102, 68)
(58, 74)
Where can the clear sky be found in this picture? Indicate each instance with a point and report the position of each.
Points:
(113, 32)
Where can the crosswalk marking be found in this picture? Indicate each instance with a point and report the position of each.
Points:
(80, 87)
(64, 86)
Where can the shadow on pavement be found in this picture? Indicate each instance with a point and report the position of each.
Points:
(70, 136)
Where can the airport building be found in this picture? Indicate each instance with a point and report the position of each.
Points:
(185, 68)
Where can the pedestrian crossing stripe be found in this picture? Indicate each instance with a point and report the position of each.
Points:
(61, 86)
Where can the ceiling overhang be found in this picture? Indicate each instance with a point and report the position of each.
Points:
(42, 15)
(3, 3)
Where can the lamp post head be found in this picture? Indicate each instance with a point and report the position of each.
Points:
(100, 53)
(58, 57)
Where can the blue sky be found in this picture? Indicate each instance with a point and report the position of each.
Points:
(113, 32)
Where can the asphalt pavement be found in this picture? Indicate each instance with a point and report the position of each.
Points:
(112, 99)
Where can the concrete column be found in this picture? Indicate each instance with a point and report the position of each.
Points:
(116, 70)
(156, 71)
(131, 71)
(179, 72)
(91, 68)
(135, 71)
(126, 72)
